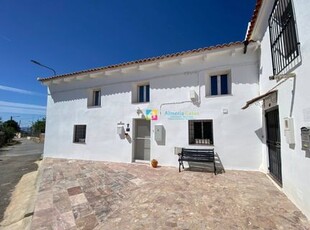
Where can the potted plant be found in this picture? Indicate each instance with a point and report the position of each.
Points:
(154, 163)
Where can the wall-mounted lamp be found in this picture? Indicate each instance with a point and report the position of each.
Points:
(139, 111)
(127, 128)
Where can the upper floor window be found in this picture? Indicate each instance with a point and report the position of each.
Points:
(218, 85)
(283, 37)
(140, 93)
(200, 132)
(95, 98)
(144, 93)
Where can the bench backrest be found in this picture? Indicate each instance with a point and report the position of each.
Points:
(198, 152)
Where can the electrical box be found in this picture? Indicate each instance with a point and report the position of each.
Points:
(120, 129)
(289, 130)
(192, 95)
(305, 138)
(159, 133)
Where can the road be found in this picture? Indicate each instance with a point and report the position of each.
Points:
(15, 161)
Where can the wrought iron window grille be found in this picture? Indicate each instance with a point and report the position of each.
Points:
(284, 42)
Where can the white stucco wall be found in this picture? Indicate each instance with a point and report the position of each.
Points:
(293, 101)
(235, 134)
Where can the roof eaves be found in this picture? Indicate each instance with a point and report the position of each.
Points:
(145, 60)
(254, 19)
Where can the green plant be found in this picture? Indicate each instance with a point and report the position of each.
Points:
(9, 133)
(38, 127)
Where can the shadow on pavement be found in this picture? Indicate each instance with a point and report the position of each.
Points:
(16, 161)
(11, 171)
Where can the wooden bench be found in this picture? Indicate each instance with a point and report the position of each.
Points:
(196, 155)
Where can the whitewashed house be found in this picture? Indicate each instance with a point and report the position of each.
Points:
(141, 110)
(195, 97)
(283, 32)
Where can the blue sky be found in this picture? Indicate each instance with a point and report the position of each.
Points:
(73, 35)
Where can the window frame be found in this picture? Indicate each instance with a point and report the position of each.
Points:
(205, 139)
(284, 41)
(76, 132)
(136, 93)
(146, 93)
(219, 80)
(92, 98)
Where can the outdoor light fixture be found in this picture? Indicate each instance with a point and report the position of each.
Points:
(139, 111)
(38, 63)
(127, 128)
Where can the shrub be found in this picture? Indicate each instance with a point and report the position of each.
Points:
(9, 133)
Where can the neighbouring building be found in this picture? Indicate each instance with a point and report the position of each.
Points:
(282, 30)
(145, 109)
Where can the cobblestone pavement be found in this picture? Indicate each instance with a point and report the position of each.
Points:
(100, 195)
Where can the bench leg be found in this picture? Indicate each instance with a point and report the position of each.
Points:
(214, 167)
(181, 163)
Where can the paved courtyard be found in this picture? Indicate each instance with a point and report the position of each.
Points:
(100, 195)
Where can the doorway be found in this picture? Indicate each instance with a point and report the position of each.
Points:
(142, 140)
(274, 144)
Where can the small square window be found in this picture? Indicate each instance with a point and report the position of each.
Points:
(219, 85)
(144, 93)
(200, 132)
(94, 98)
(141, 93)
(79, 134)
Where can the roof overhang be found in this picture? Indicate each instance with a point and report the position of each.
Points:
(259, 22)
(149, 64)
(259, 98)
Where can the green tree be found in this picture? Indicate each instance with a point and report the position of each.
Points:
(1, 124)
(39, 126)
(13, 124)
(9, 133)
(9, 128)
(2, 135)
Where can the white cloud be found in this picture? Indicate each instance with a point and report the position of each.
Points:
(21, 105)
(17, 90)
(20, 108)
(21, 111)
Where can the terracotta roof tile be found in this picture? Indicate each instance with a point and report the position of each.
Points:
(146, 60)
(254, 18)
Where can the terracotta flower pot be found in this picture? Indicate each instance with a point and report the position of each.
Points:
(154, 163)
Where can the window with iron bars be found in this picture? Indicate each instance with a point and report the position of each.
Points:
(283, 37)
(200, 132)
(79, 134)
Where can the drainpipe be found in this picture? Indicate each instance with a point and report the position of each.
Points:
(246, 43)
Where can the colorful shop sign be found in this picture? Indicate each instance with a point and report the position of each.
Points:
(151, 114)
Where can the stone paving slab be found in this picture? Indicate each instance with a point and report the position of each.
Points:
(75, 194)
